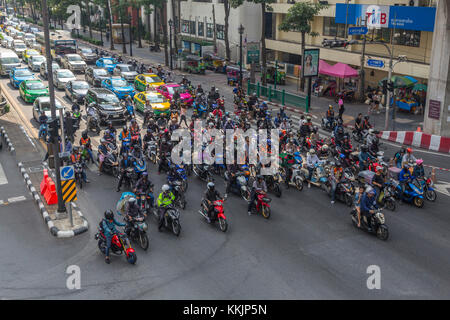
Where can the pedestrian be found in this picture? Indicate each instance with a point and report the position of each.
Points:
(183, 110)
(341, 108)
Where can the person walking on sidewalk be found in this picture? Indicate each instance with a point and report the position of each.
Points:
(341, 108)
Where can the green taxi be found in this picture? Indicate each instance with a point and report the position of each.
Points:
(31, 89)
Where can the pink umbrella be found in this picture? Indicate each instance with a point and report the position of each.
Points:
(341, 70)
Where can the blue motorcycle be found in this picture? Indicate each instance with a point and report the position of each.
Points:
(413, 192)
(140, 166)
(427, 185)
(200, 109)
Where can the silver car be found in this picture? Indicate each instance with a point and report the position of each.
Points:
(126, 71)
(42, 104)
(34, 62)
(73, 62)
(44, 71)
(61, 77)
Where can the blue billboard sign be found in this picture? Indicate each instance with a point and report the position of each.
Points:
(375, 63)
(401, 17)
(357, 30)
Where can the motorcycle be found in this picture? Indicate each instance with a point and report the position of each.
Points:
(79, 168)
(178, 192)
(241, 186)
(345, 192)
(146, 202)
(427, 185)
(262, 204)
(413, 192)
(138, 232)
(386, 198)
(218, 214)
(273, 184)
(319, 176)
(155, 48)
(44, 132)
(171, 219)
(119, 245)
(377, 224)
(111, 164)
(152, 151)
(93, 123)
(200, 109)
(203, 172)
(328, 126)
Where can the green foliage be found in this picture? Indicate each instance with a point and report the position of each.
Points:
(87, 39)
(300, 16)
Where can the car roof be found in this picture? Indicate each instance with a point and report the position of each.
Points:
(124, 65)
(171, 85)
(47, 99)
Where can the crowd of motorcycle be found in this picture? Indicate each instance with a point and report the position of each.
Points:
(360, 177)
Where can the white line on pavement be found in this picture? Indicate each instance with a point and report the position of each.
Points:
(3, 179)
(16, 199)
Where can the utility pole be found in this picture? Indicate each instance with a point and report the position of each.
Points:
(131, 38)
(51, 88)
(362, 73)
(214, 29)
(108, 3)
(388, 94)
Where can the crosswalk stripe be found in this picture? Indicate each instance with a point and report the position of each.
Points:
(3, 179)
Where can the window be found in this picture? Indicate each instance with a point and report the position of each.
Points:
(330, 28)
(192, 27)
(410, 38)
(220, 31)
(184, 26)
(209, 30)
(201, 30)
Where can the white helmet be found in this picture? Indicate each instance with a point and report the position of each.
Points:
(325, 147)
(165, 188)
(312, 151)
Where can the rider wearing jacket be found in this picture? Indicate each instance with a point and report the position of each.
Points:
(144, 186)
(210, 195)
(165, 198)
(125, 138)
(124, 164)
(258, 186)
(109, 230)
(404, 177)
(363, 157)
(311, 161)
(368, 204)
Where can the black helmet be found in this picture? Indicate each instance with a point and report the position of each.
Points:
(259, 177)
(84, 134)
(338, 163)
(109, 215)
(341, 130)
(364, 148)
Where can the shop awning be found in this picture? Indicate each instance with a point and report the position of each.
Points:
(341, 70)
(323, 66)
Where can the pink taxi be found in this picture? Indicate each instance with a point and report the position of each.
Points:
(169, 89)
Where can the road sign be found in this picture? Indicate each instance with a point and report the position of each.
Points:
(357, 30)
(67, 173)
(252, 52)
(375, 63)
(69, 190)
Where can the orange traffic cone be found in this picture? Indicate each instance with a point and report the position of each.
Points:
(433, 175)
(418, 129)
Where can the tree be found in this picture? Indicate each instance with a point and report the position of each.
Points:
(298, 19)
(265, 6)
(227, 5)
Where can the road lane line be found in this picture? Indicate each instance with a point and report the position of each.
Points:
(3, 179)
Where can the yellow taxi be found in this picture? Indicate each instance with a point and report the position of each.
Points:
(28, 53)
(142, 80)
(159, 104)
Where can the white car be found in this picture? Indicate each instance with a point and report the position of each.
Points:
(29, 38)
(61, 77)
(42, 104)
(34, 62)
(7, 41)
(73, 62)
(19, 47)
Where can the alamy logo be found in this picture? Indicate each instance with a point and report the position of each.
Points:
(74, 279)
(374, 280)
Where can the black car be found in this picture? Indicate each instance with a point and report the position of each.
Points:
(95, 76)
(88, 55)
(76, 90)
(107, 105)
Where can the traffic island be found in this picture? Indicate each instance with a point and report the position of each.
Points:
(59, 224)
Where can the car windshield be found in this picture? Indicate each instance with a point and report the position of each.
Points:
(38, 59)
(80, 85)
(119, 83)
(35, 85)
(20, 46)
(9, 60)
(32, 53)
(65, 74)
(100, 72)
(86, 50)
(74, 58)
(179, 89)
(107, 61)
(108, 99)
(126, 68)
(29, 36)
(23, 73)
(45, 105)
(156, 99)
(153, 79)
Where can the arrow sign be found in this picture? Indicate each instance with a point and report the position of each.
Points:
(67, 173)
(375, 63)
(357, 30)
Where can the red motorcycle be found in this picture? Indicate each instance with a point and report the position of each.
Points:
(262, 204)
(119, 244)
(218, 215)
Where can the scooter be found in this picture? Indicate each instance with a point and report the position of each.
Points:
(203, 172)
(119, 245)
(240, 187)
(377, 224)
(413, 192)
(262, 204)
(427, 185)
(218, 214)
(171, 220)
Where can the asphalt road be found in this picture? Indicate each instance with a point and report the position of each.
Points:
(308, 249)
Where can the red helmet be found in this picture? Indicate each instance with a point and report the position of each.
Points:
(409, 150)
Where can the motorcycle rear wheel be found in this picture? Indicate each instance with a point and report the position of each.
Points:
(299, 184)
(176, 228)
(265, 212)
(245, 195)
(102, 246)
(223, 225)
(382, 233)
(277, 190)
(390, 205)
(418, 202)
(348, 200)
(431, 195)
(143, 241)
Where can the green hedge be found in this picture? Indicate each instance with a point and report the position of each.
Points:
(90, 40)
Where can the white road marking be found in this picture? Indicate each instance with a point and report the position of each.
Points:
(16, 199)
(442, 187)
(3, 179)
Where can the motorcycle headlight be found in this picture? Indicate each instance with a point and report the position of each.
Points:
(380, 217)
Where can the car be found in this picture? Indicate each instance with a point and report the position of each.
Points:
(76, 90)
(19, 47)
(169, 89)
(107, 105)
(88, 55)
(108, 63)
(31, 89)
(19, 35)
(119, 86)
(141, 81)
(61, 77)
(125, 71)
(43, 71)
(17, 75)
(73, 62)
(42, 104)
(95, 76)
(158, 102)
(34, 30)
(28, 53)
(34, 62)
(7, 41)
(29, 38)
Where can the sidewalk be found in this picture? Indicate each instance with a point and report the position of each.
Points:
(405, 121)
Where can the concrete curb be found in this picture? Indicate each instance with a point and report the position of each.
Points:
(418, 139)
(6, 139)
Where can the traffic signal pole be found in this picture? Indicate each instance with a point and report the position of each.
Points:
(51, 89)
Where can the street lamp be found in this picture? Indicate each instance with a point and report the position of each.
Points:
(101, 27)
(241, 31)
(170, 42)
(131, 38)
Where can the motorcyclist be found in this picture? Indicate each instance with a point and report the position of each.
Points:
(330, 116)
(408, 157)
(42, 123)
(102, 153)
(199, 90)
(336, 174)
(165, 198)
(358, 123)
(419, 171)
(258, 186)
(378, 181)
(144, 186)
(91, 112)
(232, 170)
(364, 157)
(132, 211)
(124, 164)
(210, 195)
(108, 226)
(398, 157)
(366, 125)
(346, 148)
(368, 205)
(311, 161)
(125, 138)
(404, 177)
(135, 132)
(85, 141)
(76, 157)
(147, 138)
(339, 135)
